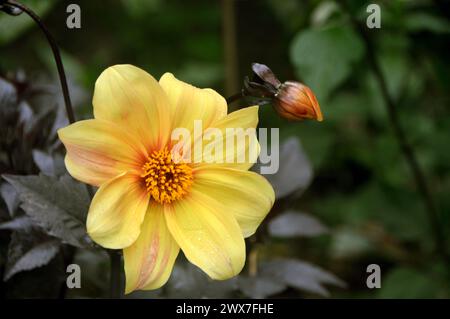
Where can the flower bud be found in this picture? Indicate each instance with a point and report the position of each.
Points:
(292, 100)
(263, 72)
(296, 101)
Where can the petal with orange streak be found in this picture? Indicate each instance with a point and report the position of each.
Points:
(99, 150)
(150, 259)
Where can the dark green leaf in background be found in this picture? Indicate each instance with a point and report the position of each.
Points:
(324, 57)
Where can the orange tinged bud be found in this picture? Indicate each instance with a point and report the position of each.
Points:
(292, 100)
(295, 101)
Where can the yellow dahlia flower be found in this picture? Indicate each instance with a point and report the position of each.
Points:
(150, 205)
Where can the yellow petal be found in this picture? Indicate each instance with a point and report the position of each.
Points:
(246, 195)
(190, 103)
(209, 237)
(98, 150)
(129, 96)
(239, 126)
(149, 260)
(117, 211)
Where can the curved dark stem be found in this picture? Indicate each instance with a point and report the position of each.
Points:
(234, 97)
(15, 8)
(8, 6)
(406, 148)
(56, 55)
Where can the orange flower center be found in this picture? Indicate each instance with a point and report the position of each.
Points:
(165, 180)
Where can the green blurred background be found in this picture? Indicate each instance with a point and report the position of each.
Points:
(362, 190)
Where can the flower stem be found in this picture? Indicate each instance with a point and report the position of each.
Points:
(234, 97)
(405, 147)
(115, 280)
(253, 257)
(55, 50)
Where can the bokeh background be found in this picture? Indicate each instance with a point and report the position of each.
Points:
(346, 197)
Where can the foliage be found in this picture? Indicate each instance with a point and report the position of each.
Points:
(55, 205)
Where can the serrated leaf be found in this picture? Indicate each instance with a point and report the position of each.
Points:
(25, 254)
(293, 224)
(58, 205)
(300, 275)
(295, 170)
